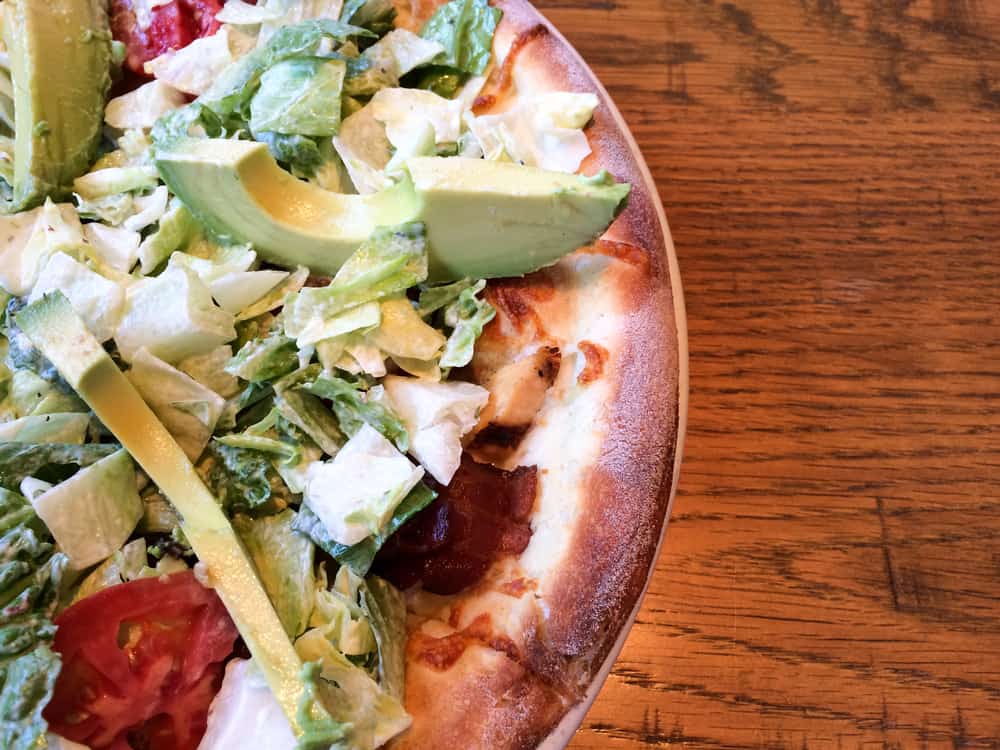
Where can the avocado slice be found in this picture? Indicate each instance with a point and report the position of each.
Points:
(483, 218)
(60, 57)
(54, 327)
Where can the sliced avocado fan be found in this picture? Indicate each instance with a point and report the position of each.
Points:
(54, 327)
(484, 219)
(60, 56)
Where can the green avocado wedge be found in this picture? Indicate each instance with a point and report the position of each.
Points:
(484, 219)
(60, 56)
(53, 326)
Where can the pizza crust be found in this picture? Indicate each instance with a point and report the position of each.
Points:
(604, 439)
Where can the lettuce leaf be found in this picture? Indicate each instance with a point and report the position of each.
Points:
(466, 316)
(243, 480)
(391, 261)
(30, 583)
(354, 409)
(465, 29)
(299, 96)
(359, 557)
(48, 461)
(265, 359)
(284, 563)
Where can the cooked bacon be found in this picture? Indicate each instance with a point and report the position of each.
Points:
(482, 516)
(442, 653)
(596, 355)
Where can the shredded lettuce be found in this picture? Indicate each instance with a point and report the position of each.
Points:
(359, 557)
(355, 408)
(465, 29)
(52, 462)
(392, 260)
(265, 359)
(98, 301)
(299, 96)
(284, 563)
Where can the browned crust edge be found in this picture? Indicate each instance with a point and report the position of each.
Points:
(614, 543)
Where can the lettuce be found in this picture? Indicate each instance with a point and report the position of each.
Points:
(193, 68)
(356, 492)
(237, 290)
(545, 130)
(276, 297)
(209, 370)
(436, 416)
(173, 316)
(245, 14)
(47, 428)
(466, 316)
(104, 182)
(265, 359)
(363, 147)
(392, 260)
(465, 29)
(404, 334)
(355, 408)
(375, 15)
(404, 111)
(359, 557)
(309, 414)
(187, 409)
(243, 480)
(98, 301)
(115, 246)
(299, 96)
(176, 228)
(48, 461)
(284, 563)
(92, 513)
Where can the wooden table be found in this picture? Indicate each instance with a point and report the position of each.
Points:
(831, 573)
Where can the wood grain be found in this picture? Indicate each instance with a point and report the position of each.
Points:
(831, 172)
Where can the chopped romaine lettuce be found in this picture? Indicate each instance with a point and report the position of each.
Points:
(186, 408)
(284, 563)
(101, 183)
(54, 228)
(355, 408)
(49, 461)
(244, 481)
(46, 428)
(193, 68)
(466, 316)
(436, 416)
(209, 370)
(363, 317)
(391, 261)
(264, 359)
(375, 15)
(237, 290)
(400, 51)
(276, 297)
(403, 110)
(465, 29)
(403, 333)
(299, 96)
(363, 147)
(374, 715)
(356, 492)
(144, 210)
(173, 316)
(311, 415)
(386, 610)
(92, 513)
(97, 300)
(143, 106)
(130, 563)
(244, 14)
(115, 246)
(176, 227)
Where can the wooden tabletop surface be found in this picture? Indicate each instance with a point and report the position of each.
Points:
(831, 172)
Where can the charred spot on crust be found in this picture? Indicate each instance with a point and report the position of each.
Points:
(596, 355)
(623, 251)
(442, 653)
(480, 517)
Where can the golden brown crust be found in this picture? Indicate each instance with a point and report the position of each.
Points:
(586, 566)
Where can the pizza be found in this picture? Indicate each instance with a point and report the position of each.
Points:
(342, 379)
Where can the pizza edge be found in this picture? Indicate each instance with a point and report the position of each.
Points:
(489, 698)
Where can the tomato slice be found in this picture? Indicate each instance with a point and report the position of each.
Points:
(173, 26)
(141, 664)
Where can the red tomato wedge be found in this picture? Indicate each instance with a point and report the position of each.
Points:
(141, 662)
(173, 26)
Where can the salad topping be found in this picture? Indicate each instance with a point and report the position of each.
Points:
(235, 391)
